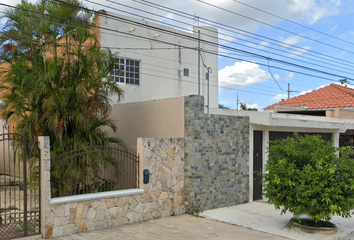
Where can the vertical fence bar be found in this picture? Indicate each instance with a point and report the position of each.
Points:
(40, 220)
(29, 156)
(10, 182)
(18, 210)
(138, 172)
(4, 147)
(25, 187)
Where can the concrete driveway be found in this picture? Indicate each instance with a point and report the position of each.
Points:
(178, 227)
(262, 216)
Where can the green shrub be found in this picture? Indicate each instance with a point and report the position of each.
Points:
(304, 175)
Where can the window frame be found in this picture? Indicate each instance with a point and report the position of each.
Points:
(128, 71)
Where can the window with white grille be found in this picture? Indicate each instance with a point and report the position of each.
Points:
(126, 71)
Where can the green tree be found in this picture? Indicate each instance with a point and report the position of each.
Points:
(304, 175)
(244, 107)
(57, 82)
(222, 106)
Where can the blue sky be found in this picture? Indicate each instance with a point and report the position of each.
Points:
(254, 81)
(330, 17)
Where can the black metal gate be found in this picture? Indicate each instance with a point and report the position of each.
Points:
(19, 186)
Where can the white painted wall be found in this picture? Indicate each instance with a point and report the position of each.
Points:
(161, 68)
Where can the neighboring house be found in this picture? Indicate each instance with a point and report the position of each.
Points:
(331, 101)
(158, 62)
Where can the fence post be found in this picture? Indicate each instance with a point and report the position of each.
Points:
(45, 189)
(140, 152)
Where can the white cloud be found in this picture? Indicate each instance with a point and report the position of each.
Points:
(290, 40)
(290, 75)
(277, 77)
(263, 44)
(313, 10)
(334, 28)
(259, 46)
(3, 21)
(241, 74)
(256, 105)
(299, 52)
(303, 92)
(279, 97)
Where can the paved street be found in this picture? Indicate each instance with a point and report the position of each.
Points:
(177, 227)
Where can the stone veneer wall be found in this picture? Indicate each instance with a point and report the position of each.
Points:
(216, 158)
(163, 195)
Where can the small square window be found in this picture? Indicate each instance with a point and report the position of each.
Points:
(186, 72)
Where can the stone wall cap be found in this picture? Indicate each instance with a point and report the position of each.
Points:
(95, 196)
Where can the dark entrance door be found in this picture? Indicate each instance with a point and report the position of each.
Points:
(257, 164)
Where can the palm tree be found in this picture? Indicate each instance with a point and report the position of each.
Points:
(57, 82)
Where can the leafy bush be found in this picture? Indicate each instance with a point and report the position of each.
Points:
(304, 175)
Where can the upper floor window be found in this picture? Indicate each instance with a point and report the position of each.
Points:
(186, 72)
(126, 71)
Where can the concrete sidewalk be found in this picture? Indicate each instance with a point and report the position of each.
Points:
(250, 221)
(262, 216)
(178, 227)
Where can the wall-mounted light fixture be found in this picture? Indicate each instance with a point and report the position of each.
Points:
(157, 35)
(131, 30)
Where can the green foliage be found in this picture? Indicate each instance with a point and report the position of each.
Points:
(304, 175)
(80, 171)
(244, 107)
(222, 106)
(57, 83)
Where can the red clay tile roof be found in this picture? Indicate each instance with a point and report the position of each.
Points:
(331, 96)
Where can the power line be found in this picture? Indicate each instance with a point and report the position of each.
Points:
(190, 38)
(293, 22)
(218, 24)
(167, 59)
(226, 47)
(270, 25)
(285, 56)
(327, 67)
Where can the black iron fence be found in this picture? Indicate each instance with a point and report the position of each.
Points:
(94, 169)
(19, 185)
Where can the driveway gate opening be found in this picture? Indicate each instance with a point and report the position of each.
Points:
(19, 186)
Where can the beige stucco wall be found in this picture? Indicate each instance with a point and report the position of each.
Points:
(340, 113)
(7, 164)
(151, 119)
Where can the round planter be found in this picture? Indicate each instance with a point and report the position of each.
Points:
(313, 230)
